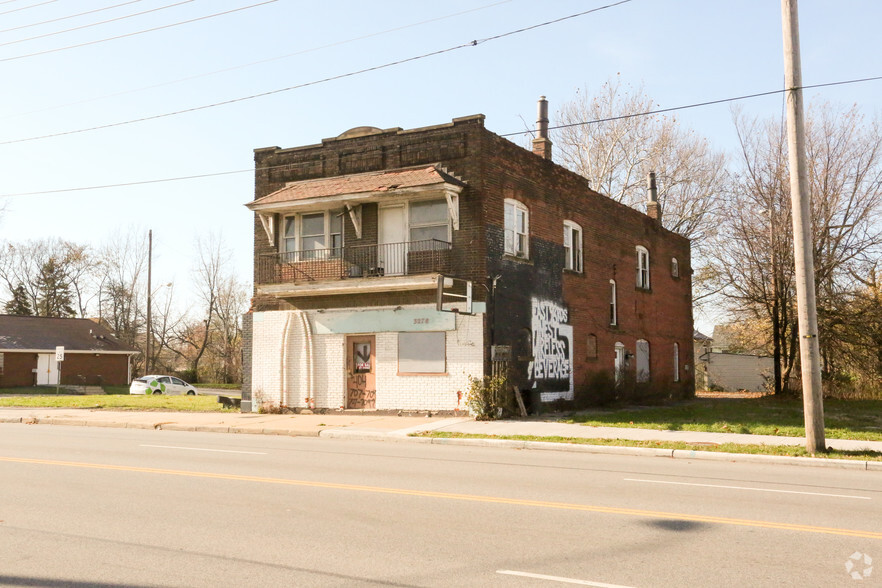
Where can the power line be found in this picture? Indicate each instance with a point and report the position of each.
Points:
(624, 116)
(35, 24)
(168, 26)
(473, 43)
(250, 64)
(27, 7)
(695, 105)
(95, 24)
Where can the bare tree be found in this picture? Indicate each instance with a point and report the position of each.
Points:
(232, 303)
(122, 293)
(754, 254)
(617, 152)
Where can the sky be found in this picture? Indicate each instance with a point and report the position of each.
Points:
(60, 79)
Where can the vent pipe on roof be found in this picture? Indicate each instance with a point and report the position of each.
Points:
(653, 208)
(542, 144)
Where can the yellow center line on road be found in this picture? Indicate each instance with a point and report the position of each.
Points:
(465, 497)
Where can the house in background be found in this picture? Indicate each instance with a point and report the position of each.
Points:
(92, 356)
(717, 368)
(391, 265)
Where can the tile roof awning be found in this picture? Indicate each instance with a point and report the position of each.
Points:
(365, 186)
(350, 191)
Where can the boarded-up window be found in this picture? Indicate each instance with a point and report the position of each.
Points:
(591, 352)
(422, 353)
(1, 364)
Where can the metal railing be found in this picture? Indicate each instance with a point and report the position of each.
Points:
(362, 261)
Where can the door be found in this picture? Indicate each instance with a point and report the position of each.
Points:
(361, 390)
(47, 370)
(392, 247)
(620, 362)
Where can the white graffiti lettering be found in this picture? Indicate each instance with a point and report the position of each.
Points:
(552, 342)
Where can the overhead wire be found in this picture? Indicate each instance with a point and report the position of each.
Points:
(594, 121)
(258, 62)
(473, 43)
(27, 7)
(132, 34)
(60, 18)
(95, 24)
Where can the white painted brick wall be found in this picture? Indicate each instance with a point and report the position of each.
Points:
(394, 392)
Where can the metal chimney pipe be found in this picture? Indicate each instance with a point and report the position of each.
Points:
(541, 144)
(653, 189)
(653, 208)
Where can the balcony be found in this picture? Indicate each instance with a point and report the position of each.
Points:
(388, 266)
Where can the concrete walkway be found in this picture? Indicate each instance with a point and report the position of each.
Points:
(395, 428)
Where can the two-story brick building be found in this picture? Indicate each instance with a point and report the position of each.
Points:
(351, 238)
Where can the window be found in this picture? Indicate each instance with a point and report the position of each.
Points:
(676, 362)
(642, 268)
(429, 220)
(313, 232)
(1, 364)
(517, 229)
(591, 350)
(613, 305)
(572, 246)
(422, 353)
(675, 268)
(642, 360)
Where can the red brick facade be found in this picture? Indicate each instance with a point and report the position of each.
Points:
(526, 291)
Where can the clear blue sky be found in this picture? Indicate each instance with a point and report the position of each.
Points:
(682, 51)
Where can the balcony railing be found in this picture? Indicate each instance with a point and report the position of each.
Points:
(363, 261)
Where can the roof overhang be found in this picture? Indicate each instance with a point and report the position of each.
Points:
(352, 286)
(70, 351)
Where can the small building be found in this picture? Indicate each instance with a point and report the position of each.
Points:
(91, 356)
(391, 265)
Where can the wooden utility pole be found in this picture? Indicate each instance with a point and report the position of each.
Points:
(147, 365)
(809, 352)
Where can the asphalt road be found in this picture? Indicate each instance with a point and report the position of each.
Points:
(121, 507)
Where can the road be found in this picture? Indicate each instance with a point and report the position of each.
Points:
(83, 506)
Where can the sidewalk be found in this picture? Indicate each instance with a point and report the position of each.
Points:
(395, 428)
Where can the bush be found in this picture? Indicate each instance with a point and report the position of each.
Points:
(488, 398)
(598, 389)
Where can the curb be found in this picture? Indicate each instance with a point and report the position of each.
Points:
(402, 436)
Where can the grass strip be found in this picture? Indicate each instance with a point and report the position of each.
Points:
(844, 419)
(119, 402)
(783, 450)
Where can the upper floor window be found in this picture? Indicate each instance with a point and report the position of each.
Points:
(314, 232)
(642, 267)
(572, 246)
(517, 229)
(675, 267)
(613, 304)
(429, 220)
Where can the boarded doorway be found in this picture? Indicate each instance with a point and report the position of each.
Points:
(361, 389)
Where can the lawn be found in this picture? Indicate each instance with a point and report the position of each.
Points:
(844, 419)
(112, 402)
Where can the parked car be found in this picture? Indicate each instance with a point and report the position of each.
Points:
(161, 385)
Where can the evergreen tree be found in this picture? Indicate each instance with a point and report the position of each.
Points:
(55, 298)
(20, 304)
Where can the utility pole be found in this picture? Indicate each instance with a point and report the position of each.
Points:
(809, 352)
(149, 296)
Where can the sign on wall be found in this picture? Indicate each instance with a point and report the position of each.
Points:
(551, 367)
(382, 321)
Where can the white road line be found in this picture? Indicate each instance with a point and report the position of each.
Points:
(748, 488)
(559, 579)
(202, 449)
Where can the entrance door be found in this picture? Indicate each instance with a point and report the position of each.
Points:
(361, 389)
(47, 370)
(391, 249)
(620, 362)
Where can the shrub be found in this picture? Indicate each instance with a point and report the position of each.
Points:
(488, 398)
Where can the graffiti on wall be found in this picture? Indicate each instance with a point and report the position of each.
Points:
(551, 368)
